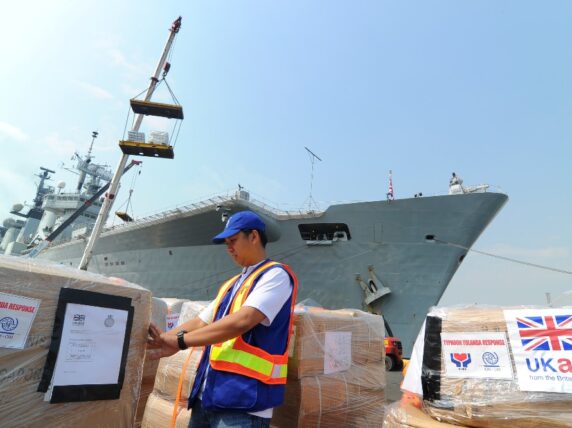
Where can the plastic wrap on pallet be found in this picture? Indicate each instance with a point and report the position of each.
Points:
(174, 379)
(159, 137)
(160, 413)
(165, 313)
(336, 371)
(147, 383)
(179, 368)
(355, 397)
(398, 415)
(138, 137)
(471, 361)
(21, 369)
(327, 341)
(191, 309)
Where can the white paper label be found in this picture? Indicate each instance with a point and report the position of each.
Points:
(337, 351)
(171, 321)
(91, 346)
(476, 355)
(17, 314)
(541, 342)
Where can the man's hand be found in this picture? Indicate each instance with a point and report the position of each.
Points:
(163, 344)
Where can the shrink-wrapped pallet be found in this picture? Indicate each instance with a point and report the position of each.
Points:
(174, 380)
(492, 366)
(165, 315)
(191, 309)
(147, 382)
(166, 312)
(178, 369)
(336, 372)
(355, 397)
(21, 369)
(326, 341)
(160, 413)
(398, 415)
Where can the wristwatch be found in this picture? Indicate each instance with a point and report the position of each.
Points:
(181, 339)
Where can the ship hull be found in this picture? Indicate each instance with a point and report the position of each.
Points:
(172, 254)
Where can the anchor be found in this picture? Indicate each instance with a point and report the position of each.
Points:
(373, 289)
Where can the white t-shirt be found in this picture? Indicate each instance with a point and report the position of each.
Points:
(269, 296)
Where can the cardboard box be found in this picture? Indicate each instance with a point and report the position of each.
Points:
(352, 398)
(191, 309)
(484, 402)
(21, 369)
(407, 416)
(159, 413)
(327, 341)
(165, 315)
(170, 373)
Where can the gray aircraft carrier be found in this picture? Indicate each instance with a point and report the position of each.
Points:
(388, 256)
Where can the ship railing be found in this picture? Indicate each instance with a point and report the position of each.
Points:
(208, 205)
(284, 214)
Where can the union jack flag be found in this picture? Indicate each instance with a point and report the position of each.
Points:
(546, 333)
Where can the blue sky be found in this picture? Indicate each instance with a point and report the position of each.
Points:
(482, 88)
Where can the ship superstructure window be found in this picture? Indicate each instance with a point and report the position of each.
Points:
(324, 232)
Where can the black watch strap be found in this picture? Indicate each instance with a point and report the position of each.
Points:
(181, 340)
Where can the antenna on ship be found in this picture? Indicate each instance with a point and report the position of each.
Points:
(140, 108)
(82, 176)
(94, 135)
(313, 157)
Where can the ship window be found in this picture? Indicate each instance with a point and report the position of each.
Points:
(170, 253)
(122, 262)
(105, 258)
(324, 231)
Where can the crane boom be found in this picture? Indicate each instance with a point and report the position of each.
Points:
(110, 196)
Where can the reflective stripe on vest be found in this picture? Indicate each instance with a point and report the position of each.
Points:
(221, 292)
(237, 356)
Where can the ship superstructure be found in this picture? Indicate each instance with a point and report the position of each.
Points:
(52, 207)
(19, 233)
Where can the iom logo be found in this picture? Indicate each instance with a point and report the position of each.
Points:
(491, 359)
(8, 324)
(462, 361)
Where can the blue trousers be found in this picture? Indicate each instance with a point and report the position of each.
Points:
(201, 418)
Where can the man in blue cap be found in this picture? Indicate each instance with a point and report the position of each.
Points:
(246, 330)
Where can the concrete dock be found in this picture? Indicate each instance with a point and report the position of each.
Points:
(393, 392)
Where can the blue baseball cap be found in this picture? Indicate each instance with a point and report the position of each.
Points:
(240, 221)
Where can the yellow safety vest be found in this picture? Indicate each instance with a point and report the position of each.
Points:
(237, 356)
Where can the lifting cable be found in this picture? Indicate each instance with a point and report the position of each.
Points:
(283, 255)
(131, 189)
(501, 257)
(126, 121)
(178, 123)
(128, 203)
